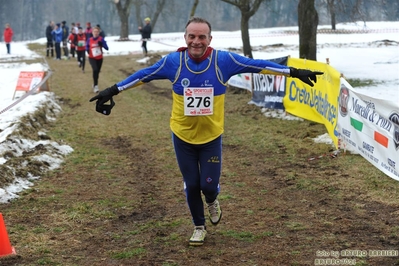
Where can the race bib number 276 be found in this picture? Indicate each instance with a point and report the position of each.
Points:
(198, 101)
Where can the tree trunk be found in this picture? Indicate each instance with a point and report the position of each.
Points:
(247, 50)
(160, 5)
(193, 8)
(124, 34)
(248, 8)
(308, 20)
(331, 9)
(137, 7)
(124, 12)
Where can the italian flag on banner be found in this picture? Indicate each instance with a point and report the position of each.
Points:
(378, 137)
(370, 127)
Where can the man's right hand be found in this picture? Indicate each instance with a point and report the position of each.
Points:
(105, 95)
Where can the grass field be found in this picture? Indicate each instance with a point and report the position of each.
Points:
(118, 198)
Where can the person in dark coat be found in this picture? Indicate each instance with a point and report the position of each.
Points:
(88, 31)
(102, 33)
(50, 41)
(65, 35)
(145, 35)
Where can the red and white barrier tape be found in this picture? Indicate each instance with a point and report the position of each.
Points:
(295, 32)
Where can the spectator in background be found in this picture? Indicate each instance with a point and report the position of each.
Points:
(145, 35)
(94, 47)
(102, 33)
(50, 42)
(8, 33)
(72, 41)
(88, 31)
(65, 35)
(81, 48)
(57, 37)
(73, 26)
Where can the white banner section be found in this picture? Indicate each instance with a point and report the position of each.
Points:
(243, 81)
(371, 127)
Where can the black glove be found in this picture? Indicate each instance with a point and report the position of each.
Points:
(100, 43)
(305, 75)
(105, 95)
(105, 109)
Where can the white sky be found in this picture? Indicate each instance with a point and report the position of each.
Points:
(357, 56)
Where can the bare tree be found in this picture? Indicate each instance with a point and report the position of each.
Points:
(158, 9)
(124, 12)
(352, 10)
(308, 20)
(248, 8)
(193, 8)
(137, 7)
(331, 10)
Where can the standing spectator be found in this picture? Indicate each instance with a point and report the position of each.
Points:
(65, 35)
(102, 33)
(145, 35)
(81, 48)
(94, 47)
(73, 26)
(88, 31)
(57, 37)
(8, 33)
(50, 42)
(72, 41)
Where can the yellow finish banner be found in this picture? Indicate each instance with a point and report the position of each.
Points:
(318, 103)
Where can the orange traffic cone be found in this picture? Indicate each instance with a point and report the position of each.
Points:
(5, 246)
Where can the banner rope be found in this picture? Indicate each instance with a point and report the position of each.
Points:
(334, 154)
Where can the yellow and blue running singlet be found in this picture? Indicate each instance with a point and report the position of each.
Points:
(197, 119)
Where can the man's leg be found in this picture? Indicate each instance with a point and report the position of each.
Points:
(210, 169)
(187, 159)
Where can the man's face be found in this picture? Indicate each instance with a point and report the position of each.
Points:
(197, 39)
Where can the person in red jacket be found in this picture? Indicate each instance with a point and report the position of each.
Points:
(71, 40)
(8, 33)
(81, 48)
(94, 47)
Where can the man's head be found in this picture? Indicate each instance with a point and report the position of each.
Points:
(197, 36)
(147, 20)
